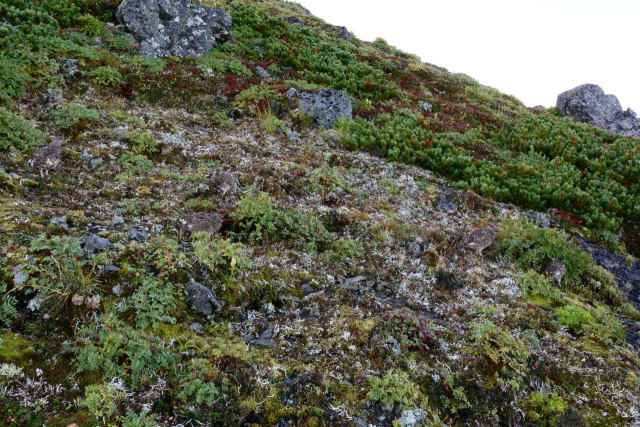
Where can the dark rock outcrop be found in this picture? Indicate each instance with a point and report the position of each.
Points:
(589, 104)
(326, 106)
(174, 27)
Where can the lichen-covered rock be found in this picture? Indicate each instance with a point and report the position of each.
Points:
(326, 106)
(201, 299)
(589, 104)
(174, 28)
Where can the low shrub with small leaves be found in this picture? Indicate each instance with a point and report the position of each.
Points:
(74, 117)
(395, 390)
(534, 247)
(106, 76)
(17, 133)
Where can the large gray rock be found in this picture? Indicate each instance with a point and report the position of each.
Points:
(174, 27)
(589, 104)
(326, 106)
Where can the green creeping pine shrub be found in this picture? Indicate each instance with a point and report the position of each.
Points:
(534, 247)
(394, 389)
(92, 26)
(106, 76)
(223, 63)
(74, 117)
(543, 163)
(318, 59)
(13, 81)
(503, 356)
(543, 409)
(220, 254)
(17, 133)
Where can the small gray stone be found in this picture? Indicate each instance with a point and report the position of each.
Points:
(94, 243)
(69, 66)
(117, 220)
(354, 280)
(427, 107)
(201, 299)
(110, 268)
(52, 96)
(196, 327)
(61, 221)
(542, 221)
(94, 162)
(412, 417)
(444, 203)
(138, 235)
(262, 72)
(326, 106)
(117, 290)
(306, 288)
(360, 422)
(343, 34)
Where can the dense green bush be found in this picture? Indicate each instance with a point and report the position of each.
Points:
(74, 117)
(260, 219)
(534, 247)
(17, 133)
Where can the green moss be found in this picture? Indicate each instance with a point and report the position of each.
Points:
(15, 349)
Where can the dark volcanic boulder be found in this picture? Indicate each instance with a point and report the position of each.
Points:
(326, 106)
(174, 27)
(589, 104)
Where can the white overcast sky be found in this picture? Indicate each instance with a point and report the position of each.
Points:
(532, 49)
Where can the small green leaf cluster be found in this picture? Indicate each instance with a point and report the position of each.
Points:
(17, 133)
(260, 219)
(503, 356)
(413, 332)
(143, 143)
(395, 389)
(220, 254)
(344, 249)
(543, 408)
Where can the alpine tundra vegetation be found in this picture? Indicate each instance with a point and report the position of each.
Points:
(233, 213)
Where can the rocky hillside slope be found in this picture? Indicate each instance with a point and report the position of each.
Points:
(258, 219)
